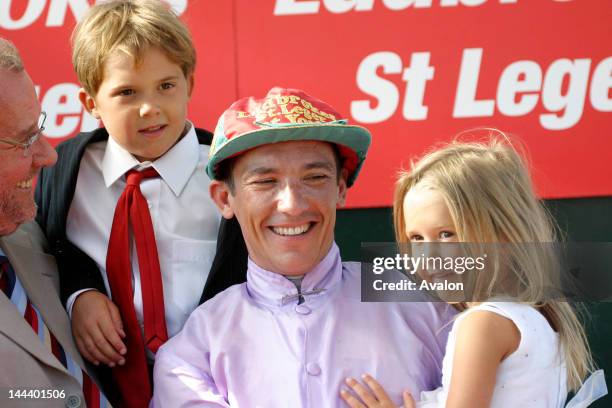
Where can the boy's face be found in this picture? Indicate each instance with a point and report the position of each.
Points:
(143, 107)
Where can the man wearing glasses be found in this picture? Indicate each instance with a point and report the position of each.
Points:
(40, 363)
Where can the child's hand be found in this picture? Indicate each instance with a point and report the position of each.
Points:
(97, 329)
(380, 399)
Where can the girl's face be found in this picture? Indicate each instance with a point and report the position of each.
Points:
(429, 228)
(427, 217)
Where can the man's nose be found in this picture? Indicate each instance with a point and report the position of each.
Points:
(43, 154)
(291, 199)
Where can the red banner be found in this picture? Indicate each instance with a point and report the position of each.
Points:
(415, 72)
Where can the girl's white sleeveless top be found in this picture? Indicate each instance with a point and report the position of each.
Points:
(533, 376)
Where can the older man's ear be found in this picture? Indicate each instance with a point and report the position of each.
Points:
(219, 192)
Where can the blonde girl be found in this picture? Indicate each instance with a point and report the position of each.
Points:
(527, 351)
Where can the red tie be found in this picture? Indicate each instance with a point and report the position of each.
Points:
(132, 379)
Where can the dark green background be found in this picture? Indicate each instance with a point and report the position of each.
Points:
(581, 219)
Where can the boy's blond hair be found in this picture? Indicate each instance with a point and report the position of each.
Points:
(129, 26)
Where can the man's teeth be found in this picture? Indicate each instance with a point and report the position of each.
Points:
(291, 231)
(25, 184)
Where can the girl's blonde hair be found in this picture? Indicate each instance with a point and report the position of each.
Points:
(489, 194)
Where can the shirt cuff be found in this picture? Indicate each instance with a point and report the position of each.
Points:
(72, 299)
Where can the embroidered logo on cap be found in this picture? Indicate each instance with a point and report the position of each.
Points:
(286, 109)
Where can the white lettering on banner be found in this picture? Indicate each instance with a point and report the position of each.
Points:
(64, 111)
(380, 88)
(178, 6)
(294, 7)
(342, 6)
(31, 13)
(470, 3)
(58, 9)
(572, 103)
(600, 86)
(466, 104)
(416, 75)
(291, 7)
(519, 77)
(403, 4)
(288, 7)
(562, 89)
(565, 109)
(63, 101)
(453, 3)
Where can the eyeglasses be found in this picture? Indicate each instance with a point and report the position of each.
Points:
(31, 139)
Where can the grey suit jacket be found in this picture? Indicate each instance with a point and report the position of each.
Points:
(25, 362)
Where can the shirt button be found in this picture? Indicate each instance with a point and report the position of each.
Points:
(313, 369)
(73, 401)
(302, 309)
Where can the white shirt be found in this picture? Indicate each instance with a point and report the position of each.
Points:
(185, 219)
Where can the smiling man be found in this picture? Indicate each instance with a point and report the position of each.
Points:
(41, 366)
(293, 333)
(21, 154)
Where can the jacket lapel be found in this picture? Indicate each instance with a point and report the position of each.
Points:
(37, 272)
(17, 329)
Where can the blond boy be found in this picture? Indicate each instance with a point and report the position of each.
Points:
(135, 246)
